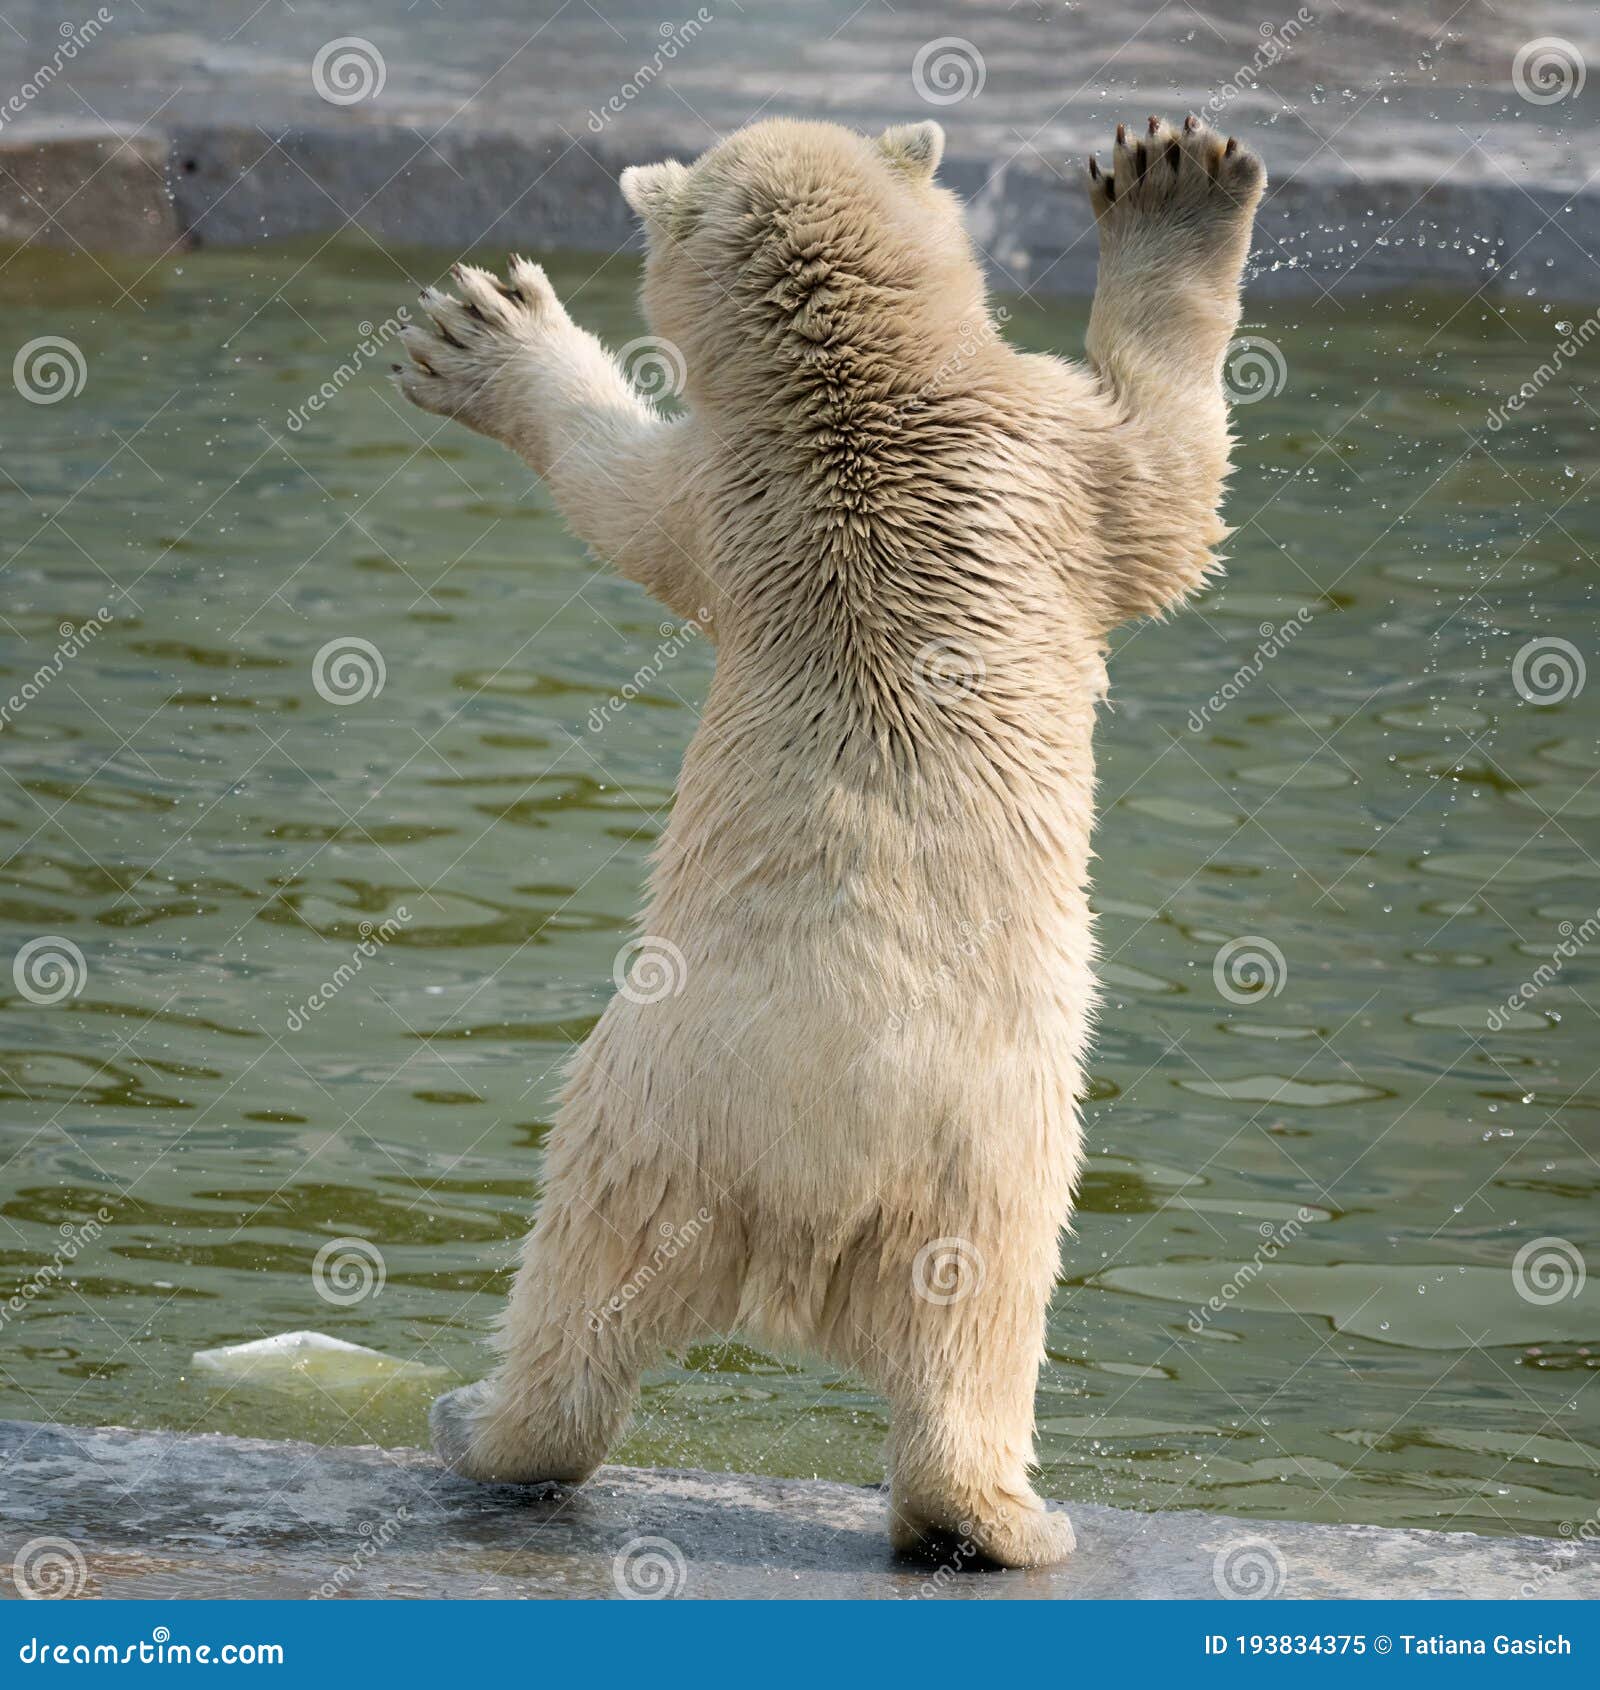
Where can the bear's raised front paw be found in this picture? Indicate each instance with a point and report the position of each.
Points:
(1037, 1536)
(466, 358)
(1190, 178)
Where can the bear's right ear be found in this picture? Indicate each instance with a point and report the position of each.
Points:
(915, 147)
(652, 189)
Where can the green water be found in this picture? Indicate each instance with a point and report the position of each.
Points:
(1378, 803)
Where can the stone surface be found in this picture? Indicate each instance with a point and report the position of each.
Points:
(154, 1514)
(1404, 150)
(94, 188)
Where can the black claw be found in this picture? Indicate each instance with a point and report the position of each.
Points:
(1122, 134)
(1231, 148)
(1094, 168)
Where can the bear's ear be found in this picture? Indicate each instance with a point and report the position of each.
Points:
(651, 189)
(915, 147)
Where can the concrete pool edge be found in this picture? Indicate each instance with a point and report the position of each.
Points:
(153, 192)
(168, 1515)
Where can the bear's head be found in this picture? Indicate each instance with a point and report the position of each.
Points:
(794, 254)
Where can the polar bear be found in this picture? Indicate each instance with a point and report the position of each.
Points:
(847, 1122)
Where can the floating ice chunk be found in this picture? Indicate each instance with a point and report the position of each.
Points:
(299, 1360)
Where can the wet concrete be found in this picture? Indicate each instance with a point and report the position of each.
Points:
(154, 1514)
(1405, 150)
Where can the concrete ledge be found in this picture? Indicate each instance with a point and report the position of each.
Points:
(1322, 231)
(153, 1514)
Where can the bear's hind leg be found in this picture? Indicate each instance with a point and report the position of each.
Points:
(597, 1301)
(956, 1343)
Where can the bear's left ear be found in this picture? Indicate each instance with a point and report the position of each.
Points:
(651, 189)
(915, 147)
